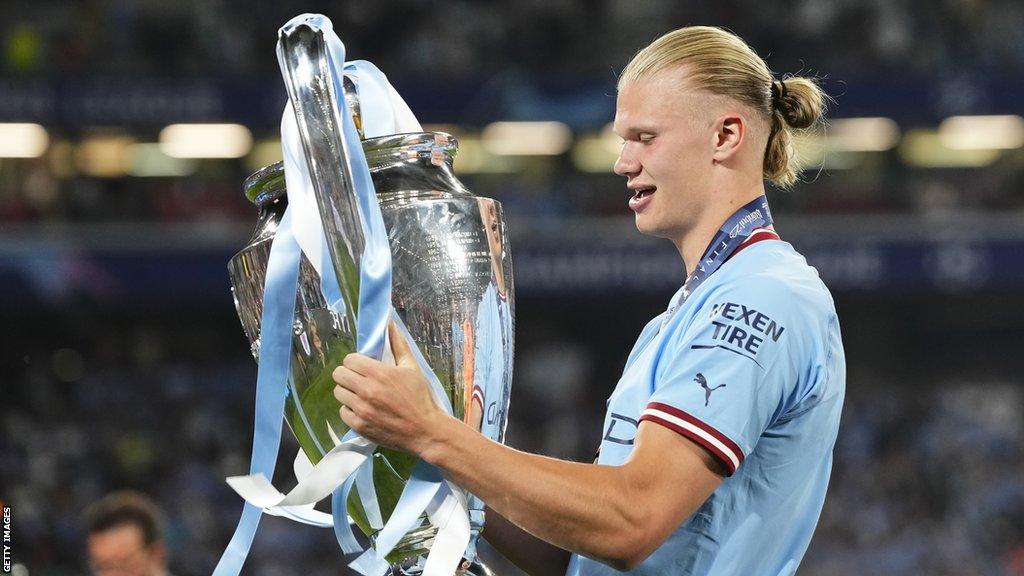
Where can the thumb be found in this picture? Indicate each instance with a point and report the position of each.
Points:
(400, 346)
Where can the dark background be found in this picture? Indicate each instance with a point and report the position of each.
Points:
(123, 363)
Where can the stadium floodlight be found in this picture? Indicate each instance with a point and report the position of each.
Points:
(597, 152)
(264, 153)
(861, 134)
(148, 160)
(844, 143)
(205, 140)
(926, 149)
(475, 158)
(526, 138)
(23, 140)
(1004, 132)
(103, 155)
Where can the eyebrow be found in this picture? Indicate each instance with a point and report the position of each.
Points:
(634, 130)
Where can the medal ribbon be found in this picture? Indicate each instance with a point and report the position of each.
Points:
(753, 215)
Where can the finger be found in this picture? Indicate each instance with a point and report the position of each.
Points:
(347, 378)
(360, 364)
(350, 418)
(346, 397)
(400, 346)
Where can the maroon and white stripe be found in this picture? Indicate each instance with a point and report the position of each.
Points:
(756, 236)
(714, 441)
(478, 394)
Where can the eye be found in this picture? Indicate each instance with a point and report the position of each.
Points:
(646, 138)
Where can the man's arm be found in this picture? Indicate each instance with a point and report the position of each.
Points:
(615, 514)
(531, 554)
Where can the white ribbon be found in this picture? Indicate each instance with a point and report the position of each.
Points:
(321, 480)
(383, 111)
(452, 520)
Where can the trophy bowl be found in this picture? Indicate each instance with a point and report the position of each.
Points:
(451, 285)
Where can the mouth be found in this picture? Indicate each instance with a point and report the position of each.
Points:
(641, 197)
(643, 192)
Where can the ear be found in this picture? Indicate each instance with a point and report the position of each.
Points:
(730, 132)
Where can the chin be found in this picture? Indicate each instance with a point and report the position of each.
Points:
(655, 231)
(648, 228)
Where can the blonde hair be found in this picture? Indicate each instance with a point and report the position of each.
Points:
(722, 63)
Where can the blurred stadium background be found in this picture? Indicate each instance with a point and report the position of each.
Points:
(124, 365)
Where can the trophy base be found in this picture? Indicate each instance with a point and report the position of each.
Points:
(414, 567)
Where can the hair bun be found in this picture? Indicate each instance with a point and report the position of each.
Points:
(796, 103)
(778, 92)
(799, 101)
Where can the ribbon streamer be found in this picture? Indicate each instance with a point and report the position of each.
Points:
(349, 462)
(271, 389)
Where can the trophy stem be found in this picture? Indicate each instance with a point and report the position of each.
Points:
(310, 81)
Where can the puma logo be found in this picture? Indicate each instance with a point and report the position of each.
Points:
(700, 379)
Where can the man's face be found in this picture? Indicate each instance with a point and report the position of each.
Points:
(489, 212)
(666, 153)
(122, 551)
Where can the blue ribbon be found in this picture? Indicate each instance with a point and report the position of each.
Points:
(374, 284)
(374, 311)
(734, 232)
(422, 488)
(339, 511)
(271, 382)
(426, 482)
(368, 494)
(329, 283)
(339, 506)
(425, 485)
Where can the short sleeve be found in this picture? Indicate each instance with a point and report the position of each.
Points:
(718, 380)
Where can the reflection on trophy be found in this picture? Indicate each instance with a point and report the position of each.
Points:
(452, 279)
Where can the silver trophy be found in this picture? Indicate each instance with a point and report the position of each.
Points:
(452, 278)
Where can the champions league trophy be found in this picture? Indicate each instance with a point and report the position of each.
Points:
(451, 271)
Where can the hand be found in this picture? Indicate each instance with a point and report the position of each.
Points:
(391, 405)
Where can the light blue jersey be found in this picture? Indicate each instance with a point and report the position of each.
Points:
(750, 367)
(492, 374)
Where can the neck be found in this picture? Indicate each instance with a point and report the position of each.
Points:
(691, 248)
(694, 242)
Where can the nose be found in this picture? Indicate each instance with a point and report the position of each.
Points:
(626, 165)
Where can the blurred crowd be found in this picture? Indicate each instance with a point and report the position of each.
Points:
(31, 193)
(462, 40)
(502, 51)
(928, 477)
(926, 481)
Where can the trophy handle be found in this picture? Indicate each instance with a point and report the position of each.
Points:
(311, 81)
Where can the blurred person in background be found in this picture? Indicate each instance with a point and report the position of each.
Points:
(125, 536)
(718, 439)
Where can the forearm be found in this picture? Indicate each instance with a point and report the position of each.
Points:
(615, 514)
(586, 508)
(531, 554)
